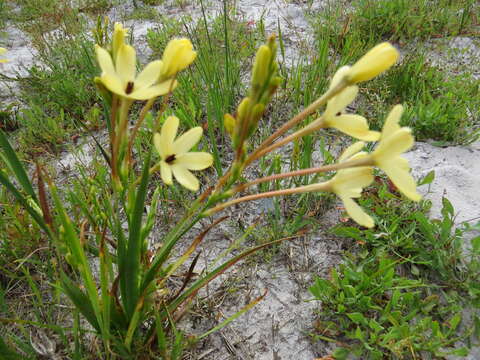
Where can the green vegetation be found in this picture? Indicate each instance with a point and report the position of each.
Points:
(403, 286)
(402, 294)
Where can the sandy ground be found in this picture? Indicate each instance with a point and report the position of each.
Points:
(278, 327)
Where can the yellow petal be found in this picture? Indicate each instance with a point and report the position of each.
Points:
(167, 136)
(392, 146)
(341, 101)
(166, 173)
(355, 126)
(126, 63)
(402, 180)
(351, 150)
(195, 160)
(357, 213)
(373, 63)
(351, 181)
(2, 50)
(113, 83)
(339, 75)
(149, 75)
(392, 122)
(150, 92)
(187, 140)
(105, 61)
(185, 177)
(118, 38)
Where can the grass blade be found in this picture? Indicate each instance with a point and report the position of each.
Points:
(16, 166)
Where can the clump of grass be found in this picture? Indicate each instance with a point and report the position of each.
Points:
(52, 115)
(372, 21)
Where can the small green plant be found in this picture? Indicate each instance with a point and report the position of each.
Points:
(382, 314)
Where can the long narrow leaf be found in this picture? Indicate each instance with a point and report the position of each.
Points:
(22, 200)
(130, 272)
(16, 166)
(80, 299)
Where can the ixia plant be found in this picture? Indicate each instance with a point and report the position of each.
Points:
(121, 285)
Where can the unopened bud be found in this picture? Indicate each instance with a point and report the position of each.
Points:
(373, 63)
(229, 124)
(261, 67)
(244, 108)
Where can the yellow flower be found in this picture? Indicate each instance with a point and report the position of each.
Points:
(122, 80)
(396, 140)
(175, 156)
(350, 124)
(373, 63)
(348, 184)
(177, 56)
(3, 51)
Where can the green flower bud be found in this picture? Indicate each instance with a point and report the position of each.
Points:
(261, 67)
(244, 108)
(229, 123)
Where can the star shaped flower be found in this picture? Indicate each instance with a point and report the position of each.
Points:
(175, 156)
(121, 79)
(394, 141)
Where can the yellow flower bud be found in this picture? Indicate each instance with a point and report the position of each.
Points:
(261, 66)
(373, 63)
(243, 108)
(177, 56)
(229, 123)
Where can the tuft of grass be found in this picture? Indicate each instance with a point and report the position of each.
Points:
(439, 107)
(50, 116)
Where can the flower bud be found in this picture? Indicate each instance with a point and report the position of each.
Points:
(177, 56)
(373, 63)
(229, 124)
(243, 108)
(261, 67)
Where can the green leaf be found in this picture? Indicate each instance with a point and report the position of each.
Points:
(130, 262)
(427, 179)
(80, 300)
(459, 352)
(476, 245)
(357, 318)
(11, 159)
(25, 203)
(447, 210)
(341, 353)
